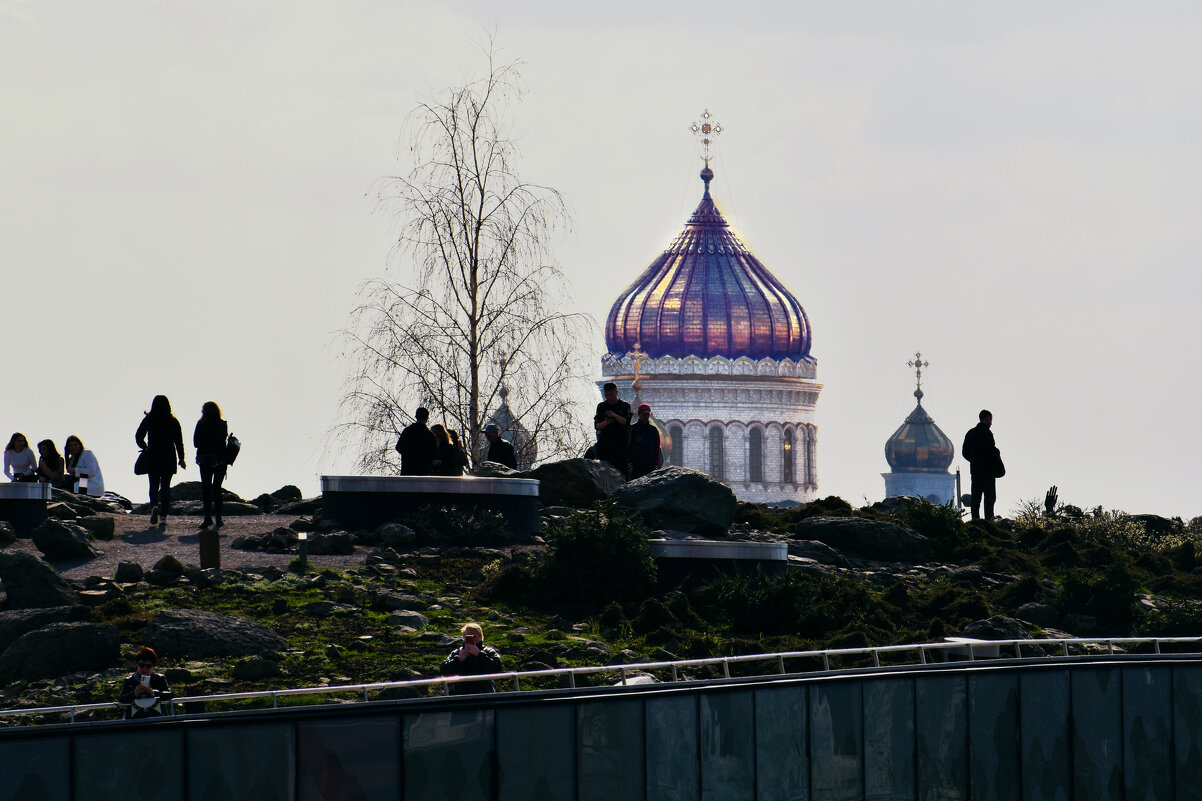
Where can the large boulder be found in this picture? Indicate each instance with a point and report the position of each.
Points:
(681, 499)
(575, 482)
(30, 583)
(14, 623)
(495, 470)
(197, 634)
(192, 491)
(997, 627)
(872, 539)
(61, 541)
(60, 648)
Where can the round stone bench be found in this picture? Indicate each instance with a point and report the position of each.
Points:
(368, 501)
(23, 503)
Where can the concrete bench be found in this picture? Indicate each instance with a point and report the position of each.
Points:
(368, 501)
(23, 503)
(702, 558)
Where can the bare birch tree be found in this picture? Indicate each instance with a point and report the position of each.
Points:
(486, 302)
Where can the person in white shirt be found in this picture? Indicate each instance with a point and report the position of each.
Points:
(20, 462)
(81, 464)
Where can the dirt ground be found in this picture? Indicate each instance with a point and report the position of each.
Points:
(135, 540)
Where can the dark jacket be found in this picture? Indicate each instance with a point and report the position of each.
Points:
(481, 664)
(164, 438)
(158, 684)
(644, 448)
(613, 439)
(417, 447)
(451, 460)
(209, 439)
(980, 451)
(501, 452)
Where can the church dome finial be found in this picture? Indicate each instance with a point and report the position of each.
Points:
(919, 445)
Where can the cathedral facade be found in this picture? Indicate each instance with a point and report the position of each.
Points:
(720, 349)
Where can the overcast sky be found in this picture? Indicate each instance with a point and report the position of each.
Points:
(1010, 188)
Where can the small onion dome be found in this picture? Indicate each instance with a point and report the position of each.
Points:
(707, 295)
(919, 445)
(525, 449)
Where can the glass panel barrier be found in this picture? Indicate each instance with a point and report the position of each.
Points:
(1187, 728)
(889, 740)
(727, 747)
(993, 737)
(836, 742)
(1097, 704)
(610, 750)
(130, 764)
(349, 760)
(535, 753)
(672, 748)
(942, 742)
(35, 770)
(1147, 727)
(448, 756)
(1043, 715)
(782, 766)
(252, 762)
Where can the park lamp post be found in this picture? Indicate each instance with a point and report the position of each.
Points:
(303, 548)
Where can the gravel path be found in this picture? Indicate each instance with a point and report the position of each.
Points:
(135, 540)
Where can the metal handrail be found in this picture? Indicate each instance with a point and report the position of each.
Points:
(967, 646)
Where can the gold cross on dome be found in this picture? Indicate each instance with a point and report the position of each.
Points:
(638, 355)
(917, 363)
(706, 131)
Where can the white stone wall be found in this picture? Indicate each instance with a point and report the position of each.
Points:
(735, 396)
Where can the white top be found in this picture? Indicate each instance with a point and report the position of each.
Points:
(16, 464)
(87, 464)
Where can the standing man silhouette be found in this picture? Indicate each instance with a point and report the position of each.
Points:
(417, 446)
(985, 464)
(612, 422)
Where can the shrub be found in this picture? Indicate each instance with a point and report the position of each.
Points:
(1110, 597)
(596, 557)
(792, 603)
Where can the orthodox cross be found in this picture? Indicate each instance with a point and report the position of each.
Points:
(917, 363)
(706, 131)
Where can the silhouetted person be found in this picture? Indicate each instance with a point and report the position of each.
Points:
(644, 444)
(52, 468)
(985, 462)
(160, 435)
(451, 459)
(144, 690)
(499, 450)
(612, 422)
(417, 446)
(83, 468)
(210, 437)
(473, 658)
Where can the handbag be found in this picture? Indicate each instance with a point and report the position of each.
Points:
(142, 464)
(999, 469)
(232, 448)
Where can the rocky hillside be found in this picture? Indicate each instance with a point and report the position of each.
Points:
(387, 604)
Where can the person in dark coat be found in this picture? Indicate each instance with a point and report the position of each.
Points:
(161, 435)
(612, 422)
(209, 438)
(450, 459)
(473, 658)
(143, 685)
(984, 461)
(499, 450)
(417, 446)
(644, 444)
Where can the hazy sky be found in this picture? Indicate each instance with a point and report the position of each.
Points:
(1010, 188)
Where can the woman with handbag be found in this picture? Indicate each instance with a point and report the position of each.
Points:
(162, 438)
(210, 439)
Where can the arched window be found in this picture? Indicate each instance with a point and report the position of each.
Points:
(787, 457)
(755, 456)
(717, 458)
(676, 455)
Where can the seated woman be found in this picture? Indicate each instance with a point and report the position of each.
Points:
(144, 690)
(19, 462)
(83, 469)
(51, 467)
(448, 460)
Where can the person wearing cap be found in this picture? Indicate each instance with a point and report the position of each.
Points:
(499, 450)
(144, 690)
(473, 658)
(612, 422)
(644, 444)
